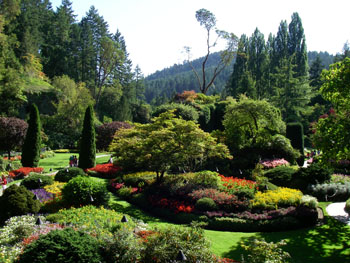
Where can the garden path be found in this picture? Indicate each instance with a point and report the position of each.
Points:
(336, 210)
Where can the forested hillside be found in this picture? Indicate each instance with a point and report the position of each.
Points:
(164, 84)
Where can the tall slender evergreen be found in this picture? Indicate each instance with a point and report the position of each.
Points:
(87, 155)
(32, 141)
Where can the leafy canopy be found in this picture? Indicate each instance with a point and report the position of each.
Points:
(166, 142)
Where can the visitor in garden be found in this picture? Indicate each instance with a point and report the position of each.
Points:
(71, 161)
(75, 161)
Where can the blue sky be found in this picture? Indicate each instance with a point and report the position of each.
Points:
(156, 31)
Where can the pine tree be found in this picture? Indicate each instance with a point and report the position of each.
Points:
(32, 141)
(87, 155)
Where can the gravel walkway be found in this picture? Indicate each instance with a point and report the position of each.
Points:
(337, 211)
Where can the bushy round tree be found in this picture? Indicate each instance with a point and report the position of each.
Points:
(16, 201)
(32, 141)
(87, 155)
(105, 133)
(12, 134)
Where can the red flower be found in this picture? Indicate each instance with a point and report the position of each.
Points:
(107, 169)
(24, 171)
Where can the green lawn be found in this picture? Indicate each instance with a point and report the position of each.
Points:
(61, 160)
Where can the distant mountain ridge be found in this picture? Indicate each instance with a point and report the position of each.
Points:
(167, 82)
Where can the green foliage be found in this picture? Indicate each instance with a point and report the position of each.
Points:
(123, 247)
(106, 131)
(295, 133)
(64, 175)
(166, 243)
(32, 142)
(206, 204)
(184, 111)
(332, 130)
(347, 206)
(12, 134)
(314, 173)
(16, 201)
(65, 245)
(165, 143)
(281, 175)
(330, 192)
(35, 181)
(87, 155)
(260, 251)
(79, 190)
(206, 179)
(248, 122)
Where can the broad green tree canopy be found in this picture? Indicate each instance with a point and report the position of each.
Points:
(166, 142)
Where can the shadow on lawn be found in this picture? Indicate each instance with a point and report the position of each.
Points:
(322, 244)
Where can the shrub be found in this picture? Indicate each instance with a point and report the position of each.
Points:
(66, 174)
(87, 153)
(347, 206)
(340, 178)
(295, 133)
(309, 201)
(35, 181)
(186, 112)
(16, 201)
(65, 245)
(260, 251)
(207, 179)
(223, 200)
(122, 247)
(105, 133)
(164, 245)
(267, 163)
(24, 171)
(314, 174)
(273, 199)
(206, 204)
(239, 187)
(125, 192)
(327, 192)
(32, 141)
(280, 176)
(47, 154)
(83, 191)
(107, 170)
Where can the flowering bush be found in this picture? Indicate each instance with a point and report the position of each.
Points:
(273, 199)
(175, 205)
(224, 200)
(274, 163)
(24, 171)
(340, 178)
(106, 170)
(236, 186)
(55, 188)
(13, 158)
(42, 195)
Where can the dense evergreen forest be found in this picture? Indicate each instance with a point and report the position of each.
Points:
(63, 65)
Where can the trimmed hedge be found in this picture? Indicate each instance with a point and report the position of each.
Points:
(35, 181)
(66, 174)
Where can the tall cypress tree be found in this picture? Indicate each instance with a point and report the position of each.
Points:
(32, 141)
(87, 155)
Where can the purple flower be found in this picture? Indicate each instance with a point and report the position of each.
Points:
(42, 195)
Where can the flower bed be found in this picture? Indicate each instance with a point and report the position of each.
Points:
(274, 163)
(24, 171)
(107, 170)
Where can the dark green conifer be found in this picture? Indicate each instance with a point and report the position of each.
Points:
(87, 155)
(295, 133)
(32, 141)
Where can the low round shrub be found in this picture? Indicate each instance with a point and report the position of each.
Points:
(330, 192)
(309, 201)
(314, 174)
(347, 206)
(206, 204)
(207, 179)
(35, 181)
(16, 201)
(65, 245)
(83, 191)
(66, 174)
(280, 175)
